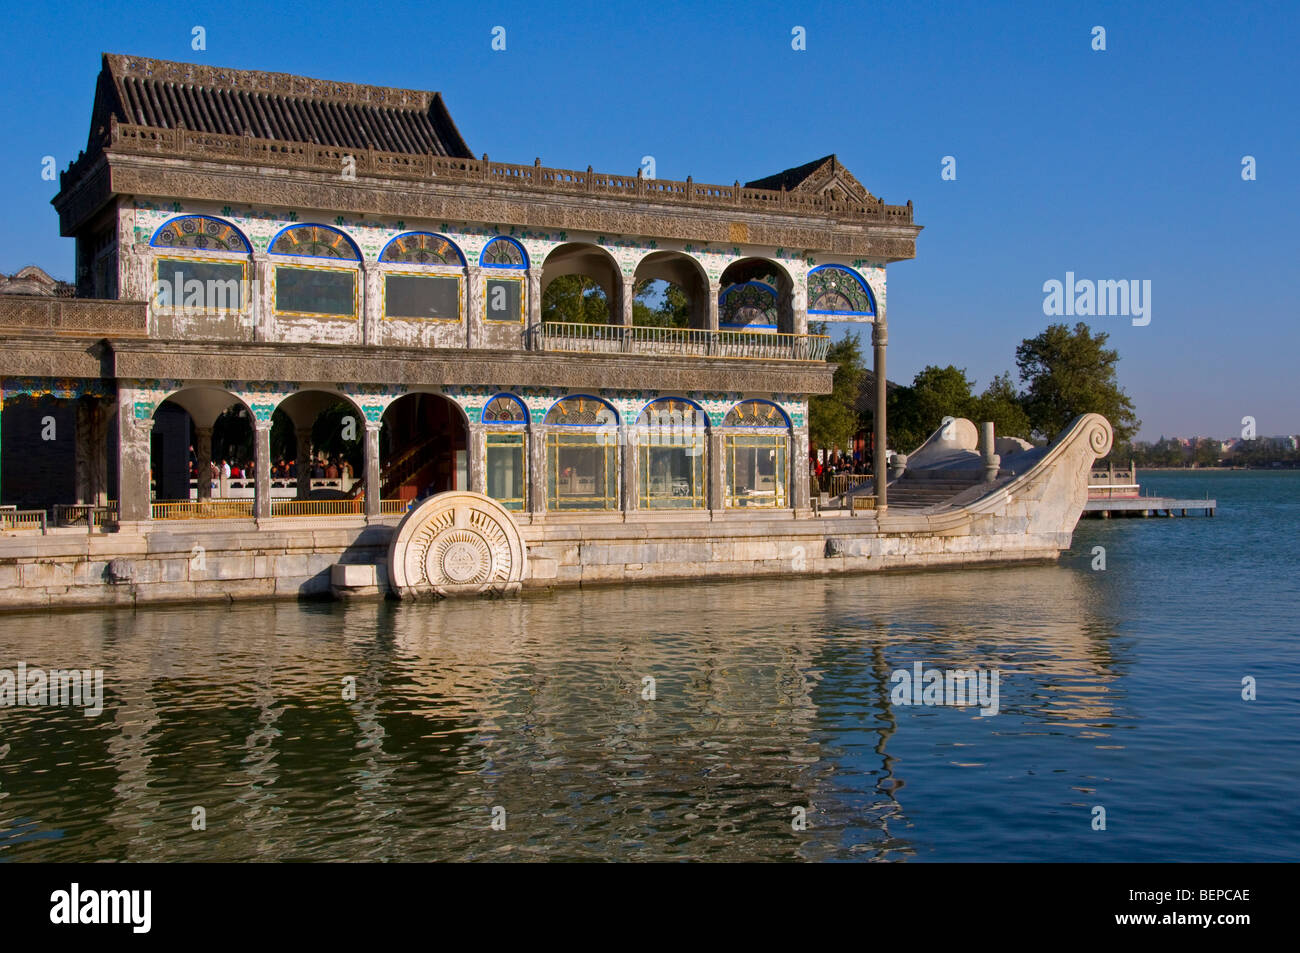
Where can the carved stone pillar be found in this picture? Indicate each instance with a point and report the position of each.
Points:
(262, 298)
(626, 290)
(799, 306)
(629, 459)
(715, 490)
(374, 487)
(262, 469)
(477, 462)
(799, 489)
(474, 305)
(537, 470)
(715, 289)
(302, 455)
(534, 306)
(133, 460)
(879, 338)
(372, 303)
(203, 464)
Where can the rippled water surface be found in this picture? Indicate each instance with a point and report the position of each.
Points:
(1119, 688)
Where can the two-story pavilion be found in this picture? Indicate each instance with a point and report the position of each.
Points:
(271, 247)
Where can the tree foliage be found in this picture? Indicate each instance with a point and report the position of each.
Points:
(833, 418)
(1067, 373)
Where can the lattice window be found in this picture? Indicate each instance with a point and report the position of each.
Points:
(836, 290)
(582, 412)
(503, 253)
(504, 409)
(315, 241)
(750, 303)
(422, 248)
(201, 233)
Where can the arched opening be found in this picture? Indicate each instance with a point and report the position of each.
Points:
(55, 448)
(839, 292)
(671, 291)
(577, 280)
(756, 442)
(582, 454)
(202, 456)
(756, 295)
(505, 425)
(317, 454)
(671, 436)
(423, 447)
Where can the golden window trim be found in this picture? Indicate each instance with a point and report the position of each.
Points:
(523, 298)
(236, 258)
(406, 272)
(318, 315)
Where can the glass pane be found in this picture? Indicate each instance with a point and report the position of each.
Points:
(504, 300)
(315, 291)
(756, 471)
(507, 475)
(414, 296)
(581, 472)
(672, 477)
(206, 285)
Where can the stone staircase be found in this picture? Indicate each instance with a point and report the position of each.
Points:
(913, 492)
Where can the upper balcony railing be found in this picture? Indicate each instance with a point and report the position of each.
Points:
(207, 146)
(619, 339)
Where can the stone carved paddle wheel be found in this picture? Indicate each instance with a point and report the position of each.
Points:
(456, 544)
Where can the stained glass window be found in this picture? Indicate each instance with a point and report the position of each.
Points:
(582, 412)
(315, 241)
(201, 233)
(504, 409)
(422, 248)
(833, 289)
(755, 413)
(750, 304)
(503, 253)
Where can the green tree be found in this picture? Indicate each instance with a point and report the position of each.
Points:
(576, 299)
(833, 418)
(915, 412)
(1067, 373)
(1001, 403)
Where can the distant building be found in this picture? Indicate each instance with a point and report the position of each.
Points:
(34, 281)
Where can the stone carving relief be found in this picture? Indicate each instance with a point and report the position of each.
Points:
(456, 544)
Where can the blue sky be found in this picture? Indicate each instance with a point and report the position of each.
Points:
(1122, 164)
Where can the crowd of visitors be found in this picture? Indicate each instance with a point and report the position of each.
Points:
(839, 462)
(322, 468)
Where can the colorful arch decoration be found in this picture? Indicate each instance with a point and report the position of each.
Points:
(200, 233)
(673, 412)
(582, 410)
(748, 304)
(503, 252)
(315, 241)
(505, 409)
(422, 248)
(834, 289)
(756, 413)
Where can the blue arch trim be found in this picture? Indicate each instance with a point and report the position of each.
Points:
(600, 400)
(759, 400)
(862, 283)
(704, 416)
(459, 254)
(356, 249)
(153, 242)
(504, 238)
(507, 396)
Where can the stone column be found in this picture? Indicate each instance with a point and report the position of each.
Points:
(262, 469)
(629, 460)
(262, 298)
(372, 303)
(374, 486)
(302, 455)
(626, 290)
(133, 460)
(477, 458)
(203, 451)
(879, 338)
(715, 490)
(475, 289)
(537, 470)
(82, 448)
(799, 306)
(534, 305)
(715, 289)
(799, 484)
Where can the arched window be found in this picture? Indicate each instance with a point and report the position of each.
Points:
(311, 290)
(200, 233)
(503, 253)
(582, 455)
(834, 289)
(757, 455)
(671, 445)
(749, 305)
(507, 451)
(422, 248)
(315, 241)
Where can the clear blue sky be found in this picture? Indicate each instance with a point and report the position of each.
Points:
(1117, 164)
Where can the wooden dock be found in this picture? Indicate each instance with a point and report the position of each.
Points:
(1114, 492)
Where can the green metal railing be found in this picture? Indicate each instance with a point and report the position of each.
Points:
(739, 345)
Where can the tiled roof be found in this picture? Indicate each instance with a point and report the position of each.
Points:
(790, 179)
(279, 106)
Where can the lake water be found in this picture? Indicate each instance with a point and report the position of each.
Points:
(1118, 688)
